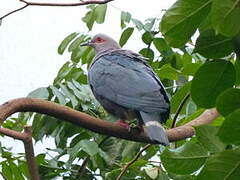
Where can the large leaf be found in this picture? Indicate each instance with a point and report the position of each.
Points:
(225, 16)
(210, 80)
(211, 45)
(125, 36)
(237, 68)
(223, 166)
(228, 101)
(65, 42)
(229, 132)
(207, 137)
(185, 159)
(181, 21)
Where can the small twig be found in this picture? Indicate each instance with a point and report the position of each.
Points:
(132, 161)
(16, 10)
(55, 4)
(179, 110)
(83, 167)
(66, 4)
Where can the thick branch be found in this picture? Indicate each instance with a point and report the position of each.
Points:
(26, 138)
(29, 152)
(98, 125)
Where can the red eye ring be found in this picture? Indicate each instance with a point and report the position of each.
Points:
(99, 40)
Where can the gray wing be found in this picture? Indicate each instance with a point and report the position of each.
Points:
(127, 82)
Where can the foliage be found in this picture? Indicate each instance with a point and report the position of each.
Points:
(207, 69)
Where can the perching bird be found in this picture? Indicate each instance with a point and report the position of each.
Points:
(127, 87)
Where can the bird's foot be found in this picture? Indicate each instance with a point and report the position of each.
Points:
(139, 128)
(123, 124)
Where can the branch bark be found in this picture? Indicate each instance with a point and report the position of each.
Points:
(27, 3)
(26, 138)
(98, 125)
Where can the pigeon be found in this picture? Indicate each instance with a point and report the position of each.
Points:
(126, 86)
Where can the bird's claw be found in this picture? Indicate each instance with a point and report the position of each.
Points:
(123, 124)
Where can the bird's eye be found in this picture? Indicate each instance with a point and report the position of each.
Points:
(99, 40)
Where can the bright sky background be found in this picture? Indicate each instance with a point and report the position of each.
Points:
(29, 41)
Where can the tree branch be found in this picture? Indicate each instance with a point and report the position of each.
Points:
(132, 161)
(29, 153)
(98, 125)
(66, 4)
(16, 10)
(27, 3)
(26, 138)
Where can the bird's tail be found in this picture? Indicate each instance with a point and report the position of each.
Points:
(154, 128)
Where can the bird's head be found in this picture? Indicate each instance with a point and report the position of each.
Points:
(102, 42)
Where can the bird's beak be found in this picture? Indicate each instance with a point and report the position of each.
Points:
(86, 44)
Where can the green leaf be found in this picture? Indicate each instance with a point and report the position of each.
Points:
(206, 24)
(213, 46)
(139, 25)
(168, 72)
(152, 172)
(228, 101)
(162, 176)
(59, 95)
(237, 68)
(125, 36)
(149, 24)
(125, 18)
(184, 160)
(100, 13)
(161, 45)
(130, 150)
(76, 43)
(225, 16)
(89, 19)
(147, 37)
(80, 95)
(63, 72)
(69, 94)
(206, 135)
(89, 147)
(223, 166)
(210, 80)
(178, 97)
(147, 52)
(181, 21)
(191, 69)
(39, 93)
(229, 132)
(65, 42)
